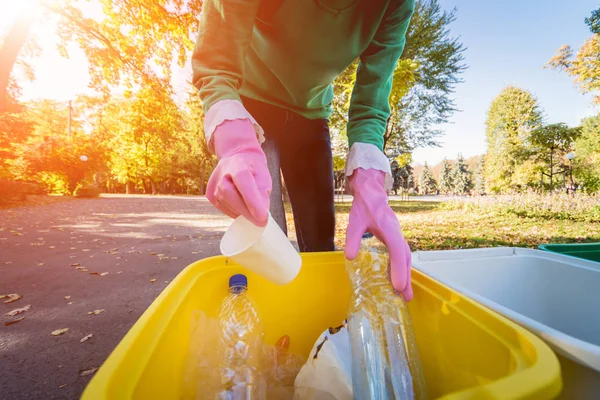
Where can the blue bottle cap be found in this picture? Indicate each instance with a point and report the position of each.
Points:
(238, 280)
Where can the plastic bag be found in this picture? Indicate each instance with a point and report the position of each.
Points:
(327, 373)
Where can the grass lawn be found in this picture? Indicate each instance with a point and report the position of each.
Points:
(427, 226)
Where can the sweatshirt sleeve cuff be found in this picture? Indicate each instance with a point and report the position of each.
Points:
(368, 156)
(228, 110)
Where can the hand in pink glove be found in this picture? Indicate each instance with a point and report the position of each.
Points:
(371, 212)
(241, 183)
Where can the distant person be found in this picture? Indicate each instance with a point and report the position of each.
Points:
(264, 70)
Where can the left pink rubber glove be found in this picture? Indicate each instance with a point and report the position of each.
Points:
(241, 183)
(371, 212)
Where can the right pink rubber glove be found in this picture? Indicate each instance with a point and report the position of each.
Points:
(371, 212)
(241, 183)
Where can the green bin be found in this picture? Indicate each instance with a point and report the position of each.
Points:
(588, 251)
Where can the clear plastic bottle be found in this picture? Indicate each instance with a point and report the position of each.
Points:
(385, 360)
(241, 339)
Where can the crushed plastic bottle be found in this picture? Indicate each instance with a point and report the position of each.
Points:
(241, 339)
(385, 361)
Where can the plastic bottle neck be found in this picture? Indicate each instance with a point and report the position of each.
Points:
(237, 289)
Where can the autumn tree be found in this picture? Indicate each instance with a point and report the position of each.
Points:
(50, 154)
(512, 116)
(584, 66)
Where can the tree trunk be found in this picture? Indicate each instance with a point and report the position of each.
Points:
(9, 52)
(128, 188)
(202, 176)
(551, 169)
(154, 187)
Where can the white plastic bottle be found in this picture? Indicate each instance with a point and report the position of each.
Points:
(378, 332)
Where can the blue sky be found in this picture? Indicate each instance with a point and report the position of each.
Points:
(508, 42)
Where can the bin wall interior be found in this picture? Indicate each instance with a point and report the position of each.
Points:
(554, 296)
(588, 251)
(467, 351)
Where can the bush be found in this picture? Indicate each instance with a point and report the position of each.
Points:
(18, 190)
(87, 191)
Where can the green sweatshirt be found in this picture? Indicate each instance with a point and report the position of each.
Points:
(288, 52)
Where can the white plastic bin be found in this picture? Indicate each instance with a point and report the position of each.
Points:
(554, 296)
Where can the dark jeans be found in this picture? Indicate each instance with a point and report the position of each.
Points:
(304, 149)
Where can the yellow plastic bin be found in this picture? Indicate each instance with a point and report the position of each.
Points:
(468, 351)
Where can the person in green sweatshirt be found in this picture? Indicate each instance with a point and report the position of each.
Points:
(264, 71)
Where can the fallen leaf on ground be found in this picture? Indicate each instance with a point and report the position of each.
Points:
(104, 274)
(14, 321)
(70, 302)
(75, 265)
(152, 253)
(72, 248)
(160, 255)
(174, 258)
(119, 272)
(95, 312)
(12, 297)
(18, 311)
(51, 247)
(82, 269)
(85, 249)
(153, 280)
(196, 252)
(59, 331)
(166, 281)
(62, 386)
(88, 372)
(41, 264)
(83, 339)
(67, 297)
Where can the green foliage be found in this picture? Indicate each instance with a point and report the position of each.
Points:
(427, 183)
(461, 177)
(440, 60)
(480, 184)
(424, 81)
(446, 178)
(586, 164)
(512, 116)
(550, 143)
(403, 177)
(593, 22)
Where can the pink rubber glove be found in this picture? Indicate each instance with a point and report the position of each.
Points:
(241, 183)
(371, 212)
